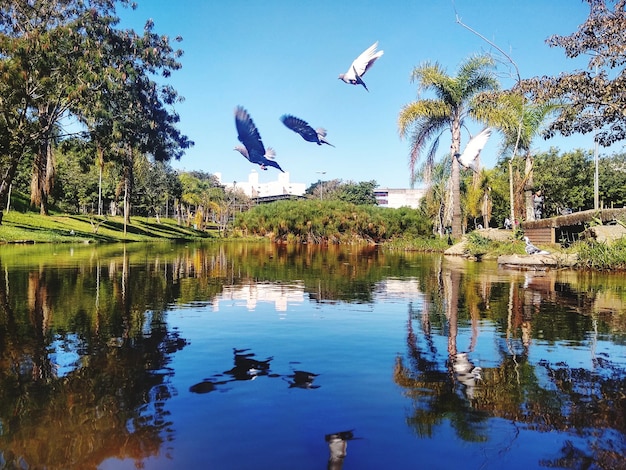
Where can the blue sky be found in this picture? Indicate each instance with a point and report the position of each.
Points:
(280, 57)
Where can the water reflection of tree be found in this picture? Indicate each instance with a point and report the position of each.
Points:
(111, 405)
(543, 396)
(114, 305)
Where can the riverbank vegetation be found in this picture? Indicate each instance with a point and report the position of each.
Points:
(331, 222)
(602, 256)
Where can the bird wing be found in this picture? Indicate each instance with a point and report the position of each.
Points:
(300, 126)
(473, 148)
(242, 150)
(248, 135)
(363, 62)
(531, 249)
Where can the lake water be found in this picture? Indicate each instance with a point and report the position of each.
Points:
(255, 356)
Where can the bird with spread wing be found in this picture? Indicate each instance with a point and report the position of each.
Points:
(253, 148)
(469, 157)
(307, 132)
(360, 65)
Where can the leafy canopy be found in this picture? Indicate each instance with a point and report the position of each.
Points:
(596, 97)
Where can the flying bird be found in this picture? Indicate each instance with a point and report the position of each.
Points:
(253, 148)
(532, 249)
(361, 65)
(469, 157)
(307, 132)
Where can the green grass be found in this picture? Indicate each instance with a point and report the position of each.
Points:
(28, 227)
(480, 246)
(435, 244)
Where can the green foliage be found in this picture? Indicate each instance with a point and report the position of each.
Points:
(355, 193)
(594, 100)
(76, 182)
(454, 100)
(65, 58)
(478, 245)
(359, 193)
(565, 179)
(315, 221)
(612, 180)
(601, 256)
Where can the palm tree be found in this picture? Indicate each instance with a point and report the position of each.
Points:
(520, 122)
(426, 119)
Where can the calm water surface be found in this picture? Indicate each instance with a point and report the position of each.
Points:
(232, 356)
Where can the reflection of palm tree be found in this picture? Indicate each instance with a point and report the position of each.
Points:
(432, 387)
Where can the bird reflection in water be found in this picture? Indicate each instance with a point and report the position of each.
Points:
(338, 445)
(302, 379)
(247, 367)
(466, 373)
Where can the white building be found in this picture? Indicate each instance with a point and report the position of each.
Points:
(395, 198)
(252, 187)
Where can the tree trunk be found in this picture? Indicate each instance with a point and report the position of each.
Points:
(43, 166)
(38, 177)
(9, 174)
(100, 165)
(128, 184)
(125, 205)
(457, 221)
(8, 198)
(512, 194)
(486, 210)
(528, 188)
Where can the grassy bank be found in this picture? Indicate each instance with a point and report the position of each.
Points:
(28, 227)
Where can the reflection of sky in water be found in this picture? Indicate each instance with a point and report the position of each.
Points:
(64, 354)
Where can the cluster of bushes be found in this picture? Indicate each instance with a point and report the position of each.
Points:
(315, 221)
(602, 256)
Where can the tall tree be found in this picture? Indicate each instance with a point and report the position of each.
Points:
(45, 58)
(596, 97)
(426, 119)
(134, 112)
(64, 57)
(521, 122)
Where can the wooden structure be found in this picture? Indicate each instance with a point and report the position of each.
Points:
(565, 229)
